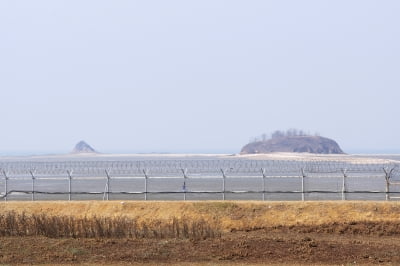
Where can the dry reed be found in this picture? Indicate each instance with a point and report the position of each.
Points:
(228, 215)
(21, 224)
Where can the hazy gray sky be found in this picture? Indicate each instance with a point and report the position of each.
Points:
(197, 76)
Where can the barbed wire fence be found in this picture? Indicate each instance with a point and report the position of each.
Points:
(199, 179)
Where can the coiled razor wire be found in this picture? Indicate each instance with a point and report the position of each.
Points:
(199, 169)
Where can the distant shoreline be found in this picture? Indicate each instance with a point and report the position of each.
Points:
(354, 158)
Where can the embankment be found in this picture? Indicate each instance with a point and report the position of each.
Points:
(230, 215)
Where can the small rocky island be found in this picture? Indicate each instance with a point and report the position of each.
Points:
(292, 141)
(83, 147)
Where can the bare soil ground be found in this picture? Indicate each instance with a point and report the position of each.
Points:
(283, 245)
(338, 240)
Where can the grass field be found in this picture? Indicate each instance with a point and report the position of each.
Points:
(229, 214)
(200, 233)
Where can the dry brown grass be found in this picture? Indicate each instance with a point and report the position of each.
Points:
(21, 224)
(230, 215)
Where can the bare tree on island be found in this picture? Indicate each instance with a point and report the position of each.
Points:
(277, 134)
(264, 137)
(292, 132)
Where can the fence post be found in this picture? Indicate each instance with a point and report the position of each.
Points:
(388, 175)
(5, 185)
(184, 171)
(263, 187)
(303, 175)
(344, 184)
(223, 183)
(107, 190)
(145, 183)
(33, 184)
(69, 184)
